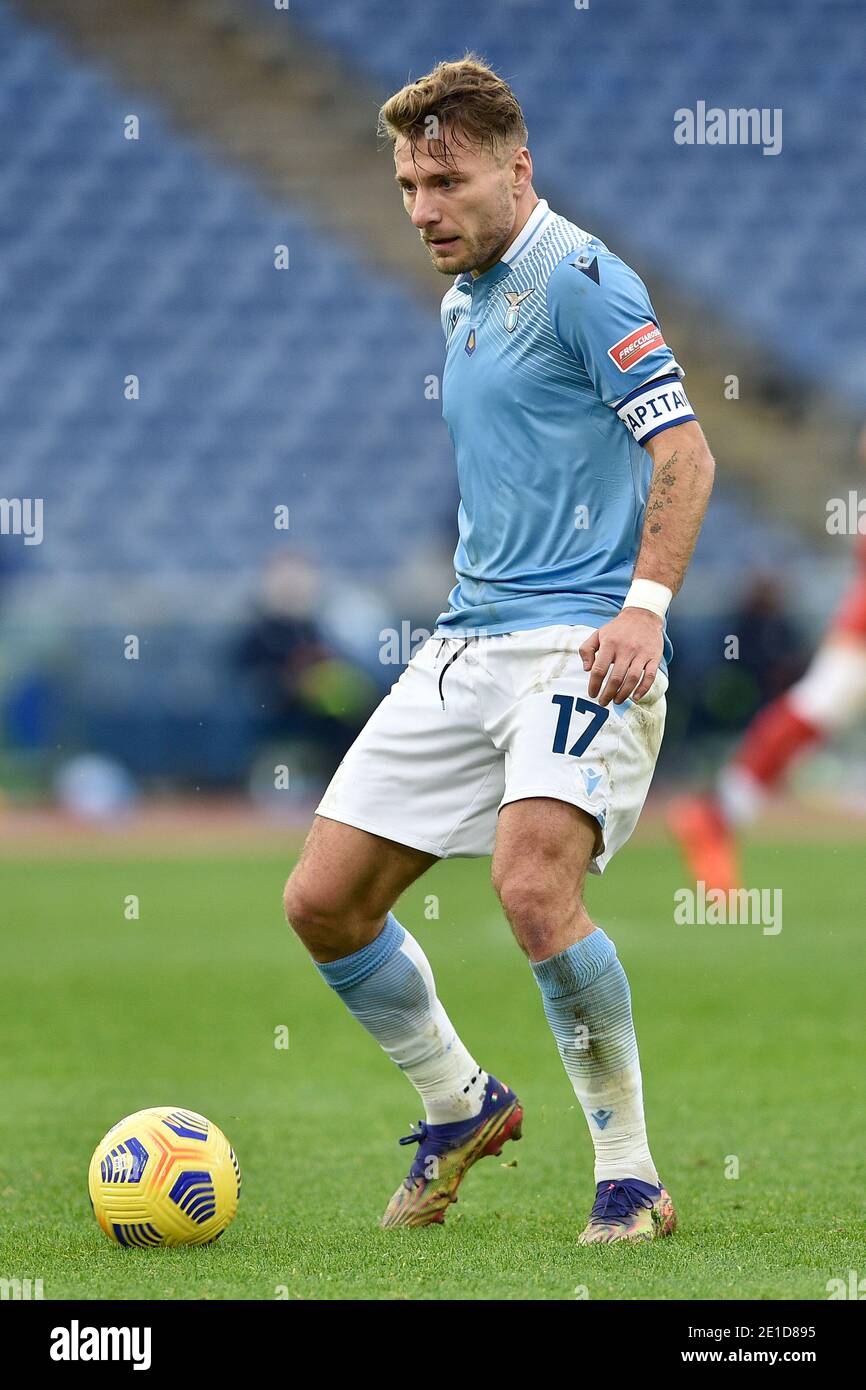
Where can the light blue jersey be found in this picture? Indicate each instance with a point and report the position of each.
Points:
(556, 374)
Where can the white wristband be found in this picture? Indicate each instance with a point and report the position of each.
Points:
(646, 593)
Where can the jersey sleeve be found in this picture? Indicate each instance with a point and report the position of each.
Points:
(600, 312)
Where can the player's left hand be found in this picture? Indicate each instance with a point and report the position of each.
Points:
(629, 647)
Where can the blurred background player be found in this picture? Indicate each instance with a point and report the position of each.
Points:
(828, 698)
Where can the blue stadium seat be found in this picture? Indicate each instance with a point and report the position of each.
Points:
(302, 387)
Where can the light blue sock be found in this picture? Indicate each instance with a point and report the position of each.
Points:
(388, 986)
(588, 1006)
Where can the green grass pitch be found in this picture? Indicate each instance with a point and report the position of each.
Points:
(750, 1044)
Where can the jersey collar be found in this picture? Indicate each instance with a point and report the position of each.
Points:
(528, 234)
(522, 243)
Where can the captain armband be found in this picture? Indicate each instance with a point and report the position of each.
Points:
(654, 407)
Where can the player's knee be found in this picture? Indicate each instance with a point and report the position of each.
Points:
(304, 913)
(326, 924)
(533, 913)
(541, 915)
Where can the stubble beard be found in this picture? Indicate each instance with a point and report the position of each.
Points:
(484, 247)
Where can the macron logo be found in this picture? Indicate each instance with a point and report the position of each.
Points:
(77, 1343)
(601, 1117)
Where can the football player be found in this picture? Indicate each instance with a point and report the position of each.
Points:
(529, 724)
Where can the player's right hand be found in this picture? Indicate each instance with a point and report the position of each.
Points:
(627, 651)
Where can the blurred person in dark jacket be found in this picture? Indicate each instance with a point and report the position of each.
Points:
(301, 685)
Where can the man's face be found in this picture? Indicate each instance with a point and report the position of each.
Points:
(464, 210)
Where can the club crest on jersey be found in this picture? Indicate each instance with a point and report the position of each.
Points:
(514, 303)
(470, 343)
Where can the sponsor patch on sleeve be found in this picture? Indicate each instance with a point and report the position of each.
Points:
(635, 345)
(654, 407)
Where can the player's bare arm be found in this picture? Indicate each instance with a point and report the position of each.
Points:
(628, 648)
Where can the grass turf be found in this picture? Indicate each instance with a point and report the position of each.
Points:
(751, 1047)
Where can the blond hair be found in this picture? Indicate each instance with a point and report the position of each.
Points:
(468, 97)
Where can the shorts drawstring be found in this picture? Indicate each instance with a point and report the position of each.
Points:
(450, 662)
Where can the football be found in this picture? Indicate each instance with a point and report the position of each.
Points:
(164, 1176)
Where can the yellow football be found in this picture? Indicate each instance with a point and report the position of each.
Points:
(164, 1176)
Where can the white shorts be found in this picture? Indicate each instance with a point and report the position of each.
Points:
(473, 724)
